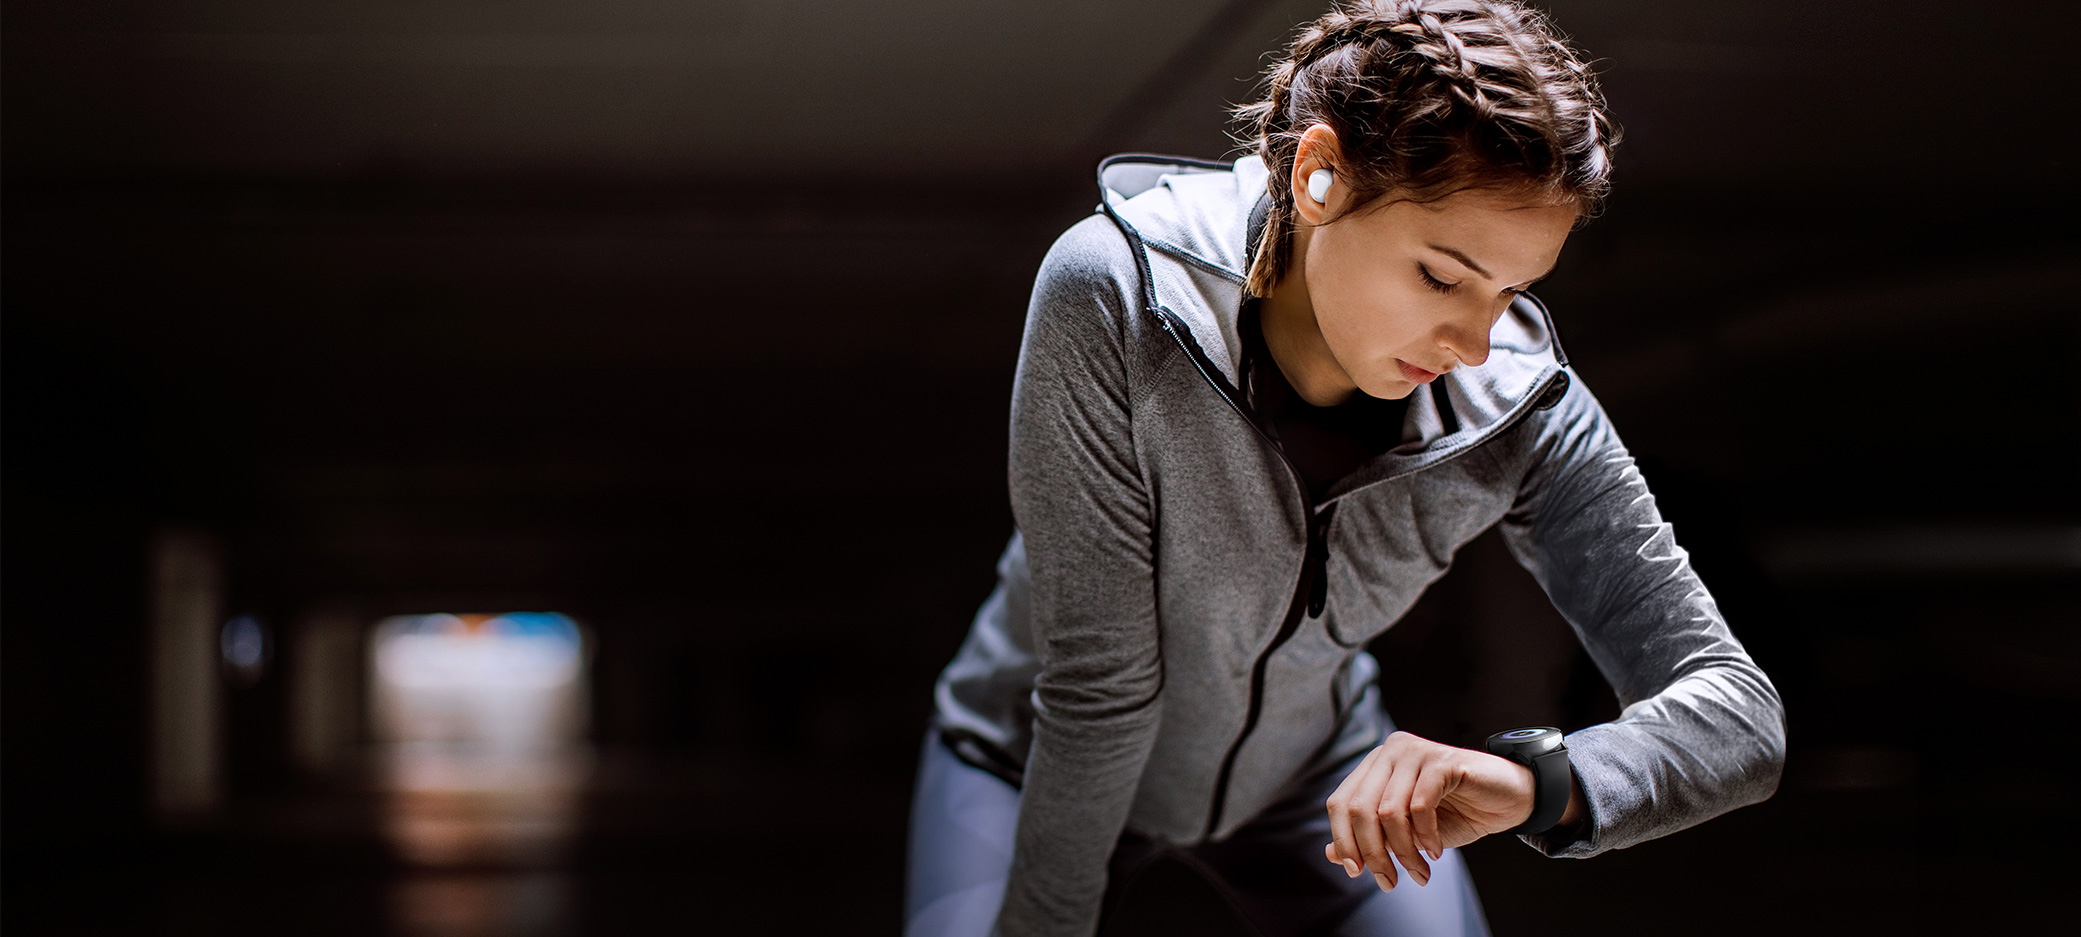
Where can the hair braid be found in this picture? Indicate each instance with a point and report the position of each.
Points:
(1428, 97)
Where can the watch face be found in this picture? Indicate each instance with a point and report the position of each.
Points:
(1532, 740)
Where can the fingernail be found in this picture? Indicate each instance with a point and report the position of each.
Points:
(1351, 868)
(1385, 885)
(1422, 877)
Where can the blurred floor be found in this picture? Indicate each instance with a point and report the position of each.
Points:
(658, 845)
(1921, 798)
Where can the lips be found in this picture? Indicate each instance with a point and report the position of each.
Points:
(1414, 374)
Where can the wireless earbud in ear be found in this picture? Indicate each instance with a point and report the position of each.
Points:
(1319, 186)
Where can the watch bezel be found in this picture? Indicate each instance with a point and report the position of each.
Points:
(1510, 743)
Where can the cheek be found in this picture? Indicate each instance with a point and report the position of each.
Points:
(1367, 323)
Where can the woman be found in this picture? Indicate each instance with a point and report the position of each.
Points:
(1258, 406)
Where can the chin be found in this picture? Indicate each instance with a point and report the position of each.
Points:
(1393, 388)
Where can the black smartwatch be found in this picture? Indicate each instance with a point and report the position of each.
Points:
(1539, 748)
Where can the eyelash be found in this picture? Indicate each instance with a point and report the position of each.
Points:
(1443, 287)
(1433, 282)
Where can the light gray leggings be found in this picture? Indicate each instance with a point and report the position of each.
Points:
(962, 820)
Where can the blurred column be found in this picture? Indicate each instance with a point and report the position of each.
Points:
(187, 695)
(325, 691)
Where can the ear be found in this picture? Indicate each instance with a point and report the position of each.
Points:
(1318, 150)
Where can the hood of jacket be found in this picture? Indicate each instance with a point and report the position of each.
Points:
(1194, 224)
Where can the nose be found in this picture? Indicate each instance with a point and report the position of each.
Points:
(1466, 339)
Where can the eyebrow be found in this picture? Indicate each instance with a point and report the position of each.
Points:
(1462, 257)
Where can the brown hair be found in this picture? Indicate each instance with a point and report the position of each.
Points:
(1428, 97)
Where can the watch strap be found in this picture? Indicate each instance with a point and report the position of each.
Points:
(1553, 782)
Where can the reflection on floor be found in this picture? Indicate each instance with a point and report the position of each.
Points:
(482, 905)
(448, 806)
(490, 828)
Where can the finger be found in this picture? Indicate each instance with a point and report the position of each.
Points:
(1343, 848)
(1395, 820)
(1363, 815)
(1430, 791)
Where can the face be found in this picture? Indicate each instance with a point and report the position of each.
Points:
(1404, 291)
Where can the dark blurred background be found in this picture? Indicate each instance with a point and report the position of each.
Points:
(693, 323)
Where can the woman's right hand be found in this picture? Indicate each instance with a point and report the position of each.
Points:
(1412, 795)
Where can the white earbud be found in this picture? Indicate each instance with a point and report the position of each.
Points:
(1319, 186)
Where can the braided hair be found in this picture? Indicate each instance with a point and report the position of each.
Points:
(1428, 97)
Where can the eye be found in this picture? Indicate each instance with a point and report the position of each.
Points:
(1433, 282)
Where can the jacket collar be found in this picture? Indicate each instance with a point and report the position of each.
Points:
(1191, 223)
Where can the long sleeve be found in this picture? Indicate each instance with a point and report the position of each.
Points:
(1081, 504)
(1701, 730)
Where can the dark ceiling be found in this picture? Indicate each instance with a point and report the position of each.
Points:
(1928, 95)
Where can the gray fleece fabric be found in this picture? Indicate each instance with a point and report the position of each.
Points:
(1158, 577)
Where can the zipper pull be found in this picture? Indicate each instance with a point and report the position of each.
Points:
(1318, 560)
(1318, 590)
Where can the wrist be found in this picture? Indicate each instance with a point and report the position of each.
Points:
(1574, 819)
(1543, 755)
(1524, 792)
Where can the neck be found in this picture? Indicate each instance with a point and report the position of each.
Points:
(1291, 334)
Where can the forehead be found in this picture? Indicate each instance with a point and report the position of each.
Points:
(1512, 227)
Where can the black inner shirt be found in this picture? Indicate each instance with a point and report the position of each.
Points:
(1325, 443)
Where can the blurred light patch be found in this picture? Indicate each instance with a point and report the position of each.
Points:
(482, 720)
(244, 644)
(507, 681)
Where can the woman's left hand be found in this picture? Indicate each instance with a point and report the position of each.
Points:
(1412, 795)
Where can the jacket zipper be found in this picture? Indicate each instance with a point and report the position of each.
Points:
(1310, 589)
(1308, 596)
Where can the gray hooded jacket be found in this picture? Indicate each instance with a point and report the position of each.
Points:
(1177, 635)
